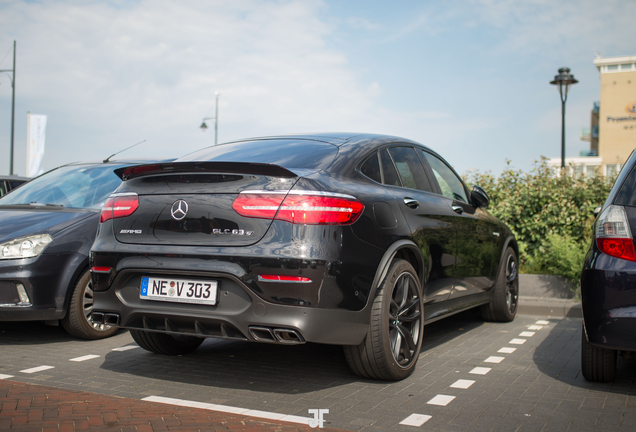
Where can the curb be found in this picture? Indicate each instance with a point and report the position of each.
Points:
(553, 307)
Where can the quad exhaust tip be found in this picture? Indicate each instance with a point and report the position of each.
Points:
(276, 335)
(110, 319)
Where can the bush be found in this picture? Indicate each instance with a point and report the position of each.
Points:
(550, 215)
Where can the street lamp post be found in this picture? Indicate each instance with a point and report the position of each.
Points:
(12, 108)
(204, 127)
(563, 80)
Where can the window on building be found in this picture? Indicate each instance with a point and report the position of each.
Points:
(578, 170)
(612, 169)
(590, 170)
(612, 67)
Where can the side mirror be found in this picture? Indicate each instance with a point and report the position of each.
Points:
(479, 197)
(597, 210)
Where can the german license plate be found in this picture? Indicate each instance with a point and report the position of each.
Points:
(179, 290)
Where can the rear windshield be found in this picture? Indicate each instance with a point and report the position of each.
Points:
(287, 153)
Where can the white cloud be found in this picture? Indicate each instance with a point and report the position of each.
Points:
(114, 74)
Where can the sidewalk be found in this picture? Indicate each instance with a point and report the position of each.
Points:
(548, 296)
(28, 407)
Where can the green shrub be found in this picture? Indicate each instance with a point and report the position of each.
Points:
(550, 215)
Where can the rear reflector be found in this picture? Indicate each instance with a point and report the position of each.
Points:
(613, 236)
(283, 278)
(310, 208)
(119, 207)
(100, 269)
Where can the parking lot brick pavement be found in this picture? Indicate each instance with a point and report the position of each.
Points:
(31, 407)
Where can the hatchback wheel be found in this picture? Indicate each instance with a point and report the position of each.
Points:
(597, 364)
(77, 321)
(503, 307)
(392, 345)
(163, 343)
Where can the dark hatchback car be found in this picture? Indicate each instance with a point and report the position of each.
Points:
(608, 282)
(354, 240)
(8, 183)
(47, 227)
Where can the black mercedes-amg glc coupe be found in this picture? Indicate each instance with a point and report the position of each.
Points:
(349, 239)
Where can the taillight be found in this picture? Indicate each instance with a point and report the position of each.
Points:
(613, 236)
(119, 206)
(301, 208)
(257, 205)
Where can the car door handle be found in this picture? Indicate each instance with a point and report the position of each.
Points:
(458, 209)
(411, 203)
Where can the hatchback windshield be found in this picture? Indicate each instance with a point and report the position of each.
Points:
(76, 186)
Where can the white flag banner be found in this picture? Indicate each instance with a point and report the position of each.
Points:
(36, 127)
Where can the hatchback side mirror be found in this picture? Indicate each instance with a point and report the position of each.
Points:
(597, 210)
(479, 197)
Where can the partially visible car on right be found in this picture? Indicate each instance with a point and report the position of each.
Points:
(8, 183)
(608, 282)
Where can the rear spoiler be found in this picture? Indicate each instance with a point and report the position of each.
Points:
(203, 167)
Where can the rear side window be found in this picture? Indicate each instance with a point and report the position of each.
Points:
(389, 173)
(287, 153)
(371, 168)
(410, 168)
(627, 194)
(3, 189)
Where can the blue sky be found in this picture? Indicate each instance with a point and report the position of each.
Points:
(470, 79)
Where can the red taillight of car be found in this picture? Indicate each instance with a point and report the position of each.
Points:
(119, 207)
(301, 208)
(613, 235)
(257, 205)
(622, 248)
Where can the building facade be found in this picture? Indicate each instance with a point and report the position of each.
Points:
(612, 132)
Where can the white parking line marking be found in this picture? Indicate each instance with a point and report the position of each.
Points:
(507, 350)
(229, 409)
(480, 371)
(494, 359)
(517, 341)
(84, 358)
(416, 420)
(5, 376)
(441, 400)
(125, 348)
(542, 322)
(37, 369)
(526, 334)
(535, 327)
(462, 384)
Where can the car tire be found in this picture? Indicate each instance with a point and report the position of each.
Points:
(503, 307)
(597, 364)
(392, 344)
(77, 321)
(167, 344)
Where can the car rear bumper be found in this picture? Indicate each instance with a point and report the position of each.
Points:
(239, 314)
(608, 294)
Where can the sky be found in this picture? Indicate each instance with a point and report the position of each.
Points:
(469, 79)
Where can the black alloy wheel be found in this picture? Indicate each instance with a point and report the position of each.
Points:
(503, 307)
(512, 284)
(392, 345)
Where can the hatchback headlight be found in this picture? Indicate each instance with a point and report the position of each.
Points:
(25, 247)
